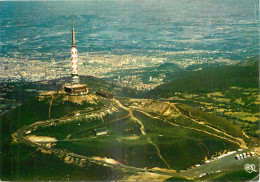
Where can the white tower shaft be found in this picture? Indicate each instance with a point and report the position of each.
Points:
(74, 58)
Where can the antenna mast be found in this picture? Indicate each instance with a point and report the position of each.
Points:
(73, 32)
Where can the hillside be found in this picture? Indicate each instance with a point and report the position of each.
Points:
(168, 70)
(13, 94)
(209, 80)
(250, 62)
(95, 84)
(228, 91)
(22, 162)
(138, 130)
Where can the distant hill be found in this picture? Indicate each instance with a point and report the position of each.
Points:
(211, 79)
(95, 84)
(169, 70)
(250, 62)
(172, 66)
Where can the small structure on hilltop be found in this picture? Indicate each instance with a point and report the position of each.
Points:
(75, 88)
(100, 131)
(105, 94)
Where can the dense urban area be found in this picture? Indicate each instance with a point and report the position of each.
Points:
(104, 65)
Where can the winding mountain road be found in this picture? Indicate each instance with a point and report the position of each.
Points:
(20, 134)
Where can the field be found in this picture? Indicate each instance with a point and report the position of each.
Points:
(239, 105)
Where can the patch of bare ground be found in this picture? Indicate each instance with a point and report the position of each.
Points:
(257, 151)
(164, 170)
(44, 151)
(76, 161)
(69, 159)
(107, 160)
(35, 139)
(128, 138)
(151, 106)
(146, 176)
